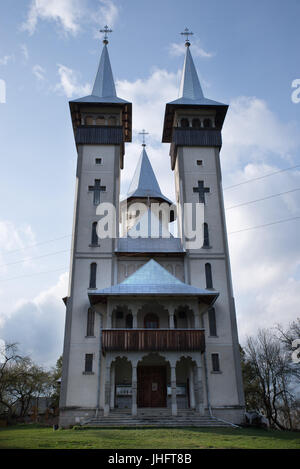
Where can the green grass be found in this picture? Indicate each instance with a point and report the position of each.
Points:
(38, 437)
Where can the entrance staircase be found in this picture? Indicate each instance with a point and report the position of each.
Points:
(151, 417)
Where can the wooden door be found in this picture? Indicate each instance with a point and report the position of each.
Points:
(152, 386)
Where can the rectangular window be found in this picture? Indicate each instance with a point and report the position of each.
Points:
(199, 162)
(212, 322)
(98, 160)
(88, 363)
(90, 323)
(215, 362)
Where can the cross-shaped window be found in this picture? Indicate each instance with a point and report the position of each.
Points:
(201, 191)
(97, 189)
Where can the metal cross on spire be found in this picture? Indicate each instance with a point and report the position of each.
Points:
(106, 31)
(144, 133)
(187, 33)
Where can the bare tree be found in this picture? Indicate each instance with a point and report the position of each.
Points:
(21, 381)
(9, 358)
(272, 366)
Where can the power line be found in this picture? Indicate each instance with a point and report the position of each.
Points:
(263, 226)
(37, 257)
(262, 177)
(263, 198)
(37, 244)
(33, 275)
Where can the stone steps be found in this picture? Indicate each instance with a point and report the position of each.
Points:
(154, 419)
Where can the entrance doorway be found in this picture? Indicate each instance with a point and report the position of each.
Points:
(152, 386)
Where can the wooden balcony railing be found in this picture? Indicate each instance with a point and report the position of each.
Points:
(153, 340)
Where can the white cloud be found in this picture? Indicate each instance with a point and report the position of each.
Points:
(264, 261)
(251, 127)
(69, 84)
(6, 59)
(39, 72)
(13, 238)
(107, 13)
(38, 324)
(150, 97)
(66, 13)
(25, 51)
(70, 15)
(177, 49)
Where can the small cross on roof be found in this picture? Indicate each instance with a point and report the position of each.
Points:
(144, 133)
(106, 31)
(187, 33)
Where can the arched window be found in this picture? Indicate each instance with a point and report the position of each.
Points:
(89, 120)
(196, 123)
(129, 321)
(184, 123)
(151, 321)
(208, 275)
(212, 322)
(119, 314)
(100, 120)
(112, 120)
(207, 123)
(90, 323)
(93, 275)
(205, 236)
(94, 234)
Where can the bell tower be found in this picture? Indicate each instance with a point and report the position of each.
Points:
(102, 125)
(193, 125)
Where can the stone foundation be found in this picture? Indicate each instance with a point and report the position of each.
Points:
(235, 415)
(75, 416)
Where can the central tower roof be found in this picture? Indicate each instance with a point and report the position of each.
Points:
(144, 183)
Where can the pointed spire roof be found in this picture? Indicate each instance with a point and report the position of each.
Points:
(104, 85)
(190, 89)
(190, 96)
(153, 279)
(190, 85)
(104, 90)
(144, 183)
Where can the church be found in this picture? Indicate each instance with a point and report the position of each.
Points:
(150, 332)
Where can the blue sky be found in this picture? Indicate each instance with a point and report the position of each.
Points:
(247, 55)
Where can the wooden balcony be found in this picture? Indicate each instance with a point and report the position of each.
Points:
(153, 340)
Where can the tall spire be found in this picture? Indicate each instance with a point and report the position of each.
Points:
(190, 87)
(104, 86)
(190, 95)
(104, 90)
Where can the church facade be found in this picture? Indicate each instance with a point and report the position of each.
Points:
(150, 320)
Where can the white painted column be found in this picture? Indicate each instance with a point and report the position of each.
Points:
(200, 404)
(112, 385)
(109, 316)
(99, 365)
(171, 318)
(134, 317)
(174, 389)
(107, 391)
(134, 390)
(197, 319)
(192, 387)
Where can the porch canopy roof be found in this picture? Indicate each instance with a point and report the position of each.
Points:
(153, 280)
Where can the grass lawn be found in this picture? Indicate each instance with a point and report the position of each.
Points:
(38, 437)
